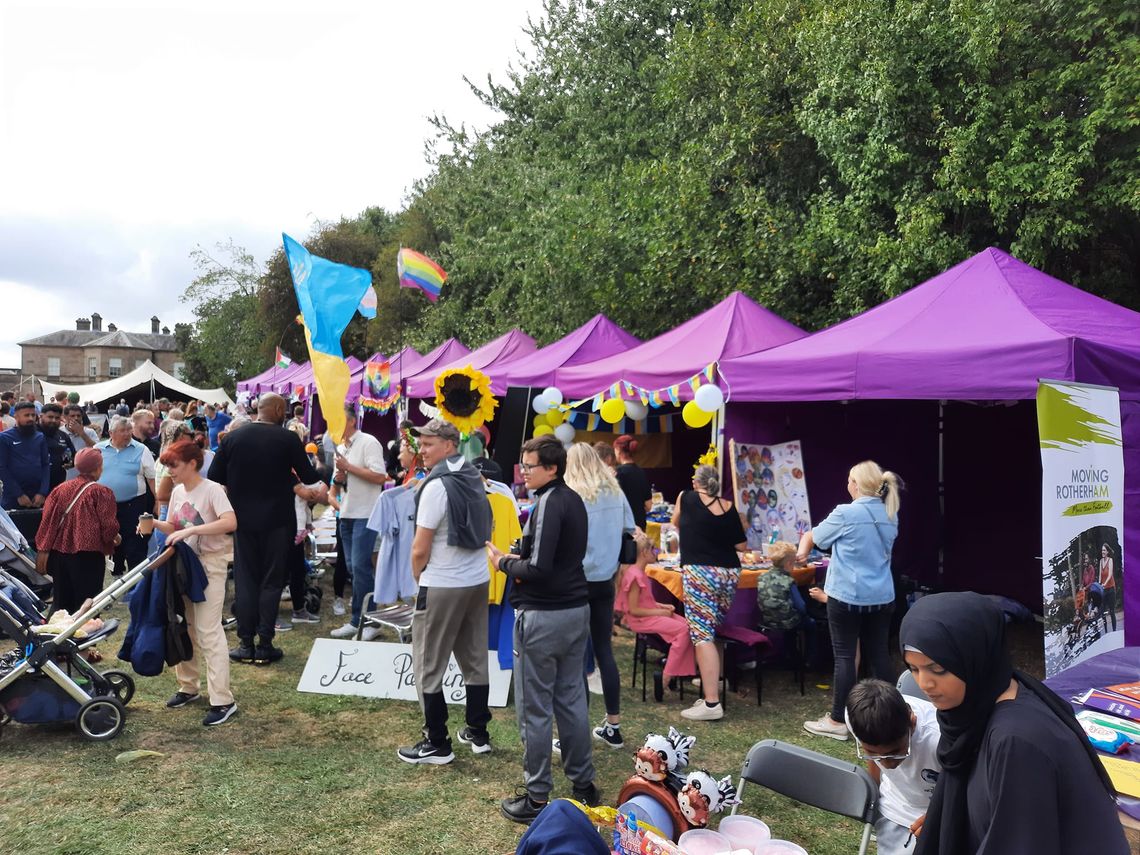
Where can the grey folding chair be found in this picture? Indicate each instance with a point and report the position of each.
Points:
(814, 779)
(908, 686)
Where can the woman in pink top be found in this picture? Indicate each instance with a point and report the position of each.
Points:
(644, 614)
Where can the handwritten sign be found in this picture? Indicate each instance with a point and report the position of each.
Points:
(376, 669)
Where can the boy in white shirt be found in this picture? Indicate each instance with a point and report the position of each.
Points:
(898, 737)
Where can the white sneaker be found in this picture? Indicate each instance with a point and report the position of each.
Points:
(594, 682)
(346, 631)
(826, 727)
(700, 711)
(370, 633)
(338, 607)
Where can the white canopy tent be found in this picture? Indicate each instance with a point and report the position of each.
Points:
(147, 381)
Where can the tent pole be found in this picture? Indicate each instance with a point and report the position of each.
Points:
(941, 491)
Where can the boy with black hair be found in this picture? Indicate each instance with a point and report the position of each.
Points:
(898, 737)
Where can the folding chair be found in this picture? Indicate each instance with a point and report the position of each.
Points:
(814, 779)
(908, 686)
(397, 618)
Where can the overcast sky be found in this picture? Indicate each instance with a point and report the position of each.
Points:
(132, 131)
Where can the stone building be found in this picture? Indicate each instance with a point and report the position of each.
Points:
(90, 354)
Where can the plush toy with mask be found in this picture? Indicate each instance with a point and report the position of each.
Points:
(661, 755)
(702, 796)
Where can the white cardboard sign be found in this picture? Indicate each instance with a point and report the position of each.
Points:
(377, 669)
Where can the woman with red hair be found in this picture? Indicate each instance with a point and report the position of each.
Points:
(632, 479)
(200, 514)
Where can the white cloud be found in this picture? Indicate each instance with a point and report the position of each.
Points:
(132, 133)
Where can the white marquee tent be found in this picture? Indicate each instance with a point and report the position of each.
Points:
(147, 382)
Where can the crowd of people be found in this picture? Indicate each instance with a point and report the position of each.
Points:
(960, 770)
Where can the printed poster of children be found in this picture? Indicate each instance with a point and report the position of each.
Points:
(769, 489)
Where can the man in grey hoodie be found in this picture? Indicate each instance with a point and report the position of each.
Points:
(453, 521)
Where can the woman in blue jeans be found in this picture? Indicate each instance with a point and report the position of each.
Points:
(609, 515)
(859, 587)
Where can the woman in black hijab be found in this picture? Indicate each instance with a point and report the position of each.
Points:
(1018, 774)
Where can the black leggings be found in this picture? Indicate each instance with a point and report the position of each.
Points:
(297, 576)
(848, 628)
(601, 637)
(1110, 606)
(340, 571)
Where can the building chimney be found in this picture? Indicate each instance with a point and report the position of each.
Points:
(83, 324)
(154, 324)
(166, 330)
(96, 322)
(111, 327)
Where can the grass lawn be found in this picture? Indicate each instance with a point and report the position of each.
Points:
(302, 773)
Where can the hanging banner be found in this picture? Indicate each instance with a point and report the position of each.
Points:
(769, 489)
(376, 391)
(1082, 521)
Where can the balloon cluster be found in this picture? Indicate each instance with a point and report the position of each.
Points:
(549, 418)
(699, 411)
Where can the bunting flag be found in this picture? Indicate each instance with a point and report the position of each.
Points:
(416, 270)
(329, 294)
(593, 422)
(675, 395)
(282, 360)
(377, 393)
(652, 397)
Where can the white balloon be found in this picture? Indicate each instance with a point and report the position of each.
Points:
(567, 445)
(540, 404)
(709, 398)
(565, 432)
(636, 410)
(553, 395)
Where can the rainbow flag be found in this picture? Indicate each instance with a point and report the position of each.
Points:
(416, 270)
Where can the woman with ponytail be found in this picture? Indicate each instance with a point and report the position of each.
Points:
(860, 589)
(711, 538)
(632, 479)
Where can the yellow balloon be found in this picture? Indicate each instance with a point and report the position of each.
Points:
(539, 421)
(543, 430)
(694, 416)
(613, 410)
(554, 417)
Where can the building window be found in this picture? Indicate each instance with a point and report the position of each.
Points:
(177, 369)
(93, 366)
(114, 367)
(53, 366)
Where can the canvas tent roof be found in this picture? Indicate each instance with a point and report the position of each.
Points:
(597, 338)
(138, 384)
(735, 326)
(442, 354)
(505, 348)
(986, 329)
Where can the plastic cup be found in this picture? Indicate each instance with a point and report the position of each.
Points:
(745, 832)
(780, 847)
(701, 841)
(146, 523)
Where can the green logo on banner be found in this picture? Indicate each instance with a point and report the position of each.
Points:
(1062, 422)
(1083, 508)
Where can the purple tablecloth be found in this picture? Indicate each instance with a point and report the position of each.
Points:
(1098, 672)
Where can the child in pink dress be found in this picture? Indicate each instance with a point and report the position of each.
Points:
(644, 614)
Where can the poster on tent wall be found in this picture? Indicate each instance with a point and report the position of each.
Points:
(1082, 521)
(769, 489)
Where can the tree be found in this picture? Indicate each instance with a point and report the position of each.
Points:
(225, 343)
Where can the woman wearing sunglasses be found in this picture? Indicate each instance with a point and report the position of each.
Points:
(897, 737)
(1018, 773)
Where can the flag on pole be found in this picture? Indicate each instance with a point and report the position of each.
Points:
(282, 360)
(416, 270)
(329, 294)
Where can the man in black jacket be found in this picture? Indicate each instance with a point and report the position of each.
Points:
(551, 627)
(260, 465)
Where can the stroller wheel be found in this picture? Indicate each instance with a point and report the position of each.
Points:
(121, 684)
(100, 719)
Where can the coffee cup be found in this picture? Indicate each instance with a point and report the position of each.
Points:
(146, 523)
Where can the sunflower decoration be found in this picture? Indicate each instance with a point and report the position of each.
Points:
(463, 396)
(707, 459)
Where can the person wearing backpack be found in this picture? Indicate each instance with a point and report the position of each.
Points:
(860, 589)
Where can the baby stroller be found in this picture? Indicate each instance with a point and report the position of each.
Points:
(46, 679)
(18, 558)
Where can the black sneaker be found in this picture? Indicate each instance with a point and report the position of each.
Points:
(521, 807)
(242, 653)
(480, 743)
(229, 623)
(219, 715)
(588, 795)
(181, 699)
(264, 654)
(609, 734)
(424, 752)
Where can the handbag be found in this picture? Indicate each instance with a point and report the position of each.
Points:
(627, 553)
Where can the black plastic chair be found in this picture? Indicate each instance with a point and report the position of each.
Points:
(814, 779)
(644, 642)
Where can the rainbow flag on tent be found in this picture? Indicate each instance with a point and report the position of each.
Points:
(329, 294)
(377, 393)
(416, 270)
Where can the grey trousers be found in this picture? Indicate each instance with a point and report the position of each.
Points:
(549, 649)
(446, 621)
